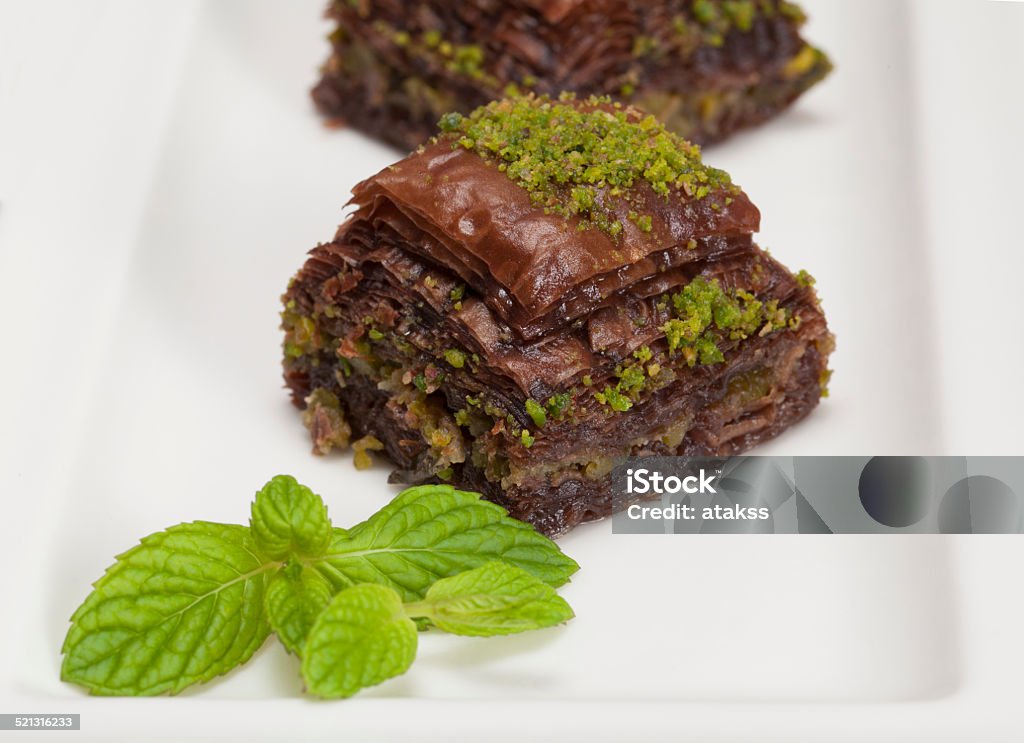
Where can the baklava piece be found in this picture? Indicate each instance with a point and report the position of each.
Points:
(704, 67)
(545, 288)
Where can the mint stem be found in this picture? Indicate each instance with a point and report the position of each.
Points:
(418, 609)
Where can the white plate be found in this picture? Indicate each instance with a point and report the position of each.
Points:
(171, 408)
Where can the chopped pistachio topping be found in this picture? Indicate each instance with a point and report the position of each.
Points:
(823, 379)
(558, 406)
(362, 447)
(643, 354)
(804, 279)
(644, 45)
(704, 313)
(740, 12)
(614, 399)
(326, 421)
(455, 358)
(302, 336)
(710, 21)
(578, 161)
(526, 439)
(536, 412)
(803, 62)
(467, 60)
(705, 11)
(792, 11)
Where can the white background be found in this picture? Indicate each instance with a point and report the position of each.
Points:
(148, 151)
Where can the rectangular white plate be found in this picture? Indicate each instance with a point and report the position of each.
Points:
(184, 414)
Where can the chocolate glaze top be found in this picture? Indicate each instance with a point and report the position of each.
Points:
(489, 231)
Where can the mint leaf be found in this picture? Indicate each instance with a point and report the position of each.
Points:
(295, 597)
(362, 638)
(434, 531)
(182, 607)
(495, 599)
(289, 518)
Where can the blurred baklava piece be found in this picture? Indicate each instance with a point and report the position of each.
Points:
(704, 67)
(545, 288)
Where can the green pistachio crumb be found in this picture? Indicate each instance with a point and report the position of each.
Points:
(375, 334)
(823, 380)
(614, 399)
(573, 159)
(631, 379)
(704, 312)
(362, 447)
(588, 381)
(536, 412)
(526, 439)
(741, 13)
(455, 358)
(558, 405)
(705, 11)
(644, 46)
(450, 122)
(468, 60)
(804, 279)
(792, 12)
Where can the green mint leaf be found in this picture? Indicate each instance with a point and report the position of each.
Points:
(289, 518)
(295, 597)
(434, 531)
(362, 638)
(495, 599)
(182, 607)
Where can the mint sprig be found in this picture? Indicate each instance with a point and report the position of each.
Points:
(192, 602)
